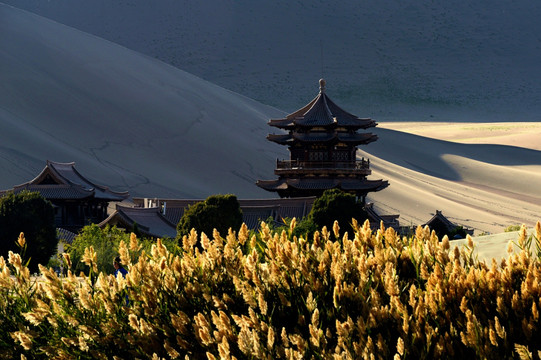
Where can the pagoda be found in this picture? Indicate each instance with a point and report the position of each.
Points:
(322, 139)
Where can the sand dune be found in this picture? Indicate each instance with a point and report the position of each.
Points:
(486, 187)
(128, 121)
(390, 60)
(519, 134)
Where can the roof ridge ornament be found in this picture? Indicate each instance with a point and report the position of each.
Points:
(322, 85)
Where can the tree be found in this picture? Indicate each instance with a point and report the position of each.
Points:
(105, 243)
(30, 213)
(333, 205)
(219, 212)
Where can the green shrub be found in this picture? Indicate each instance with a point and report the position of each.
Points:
(219, 212)
(334, 205)
(105, 243)
(512, 228)
(30, 213)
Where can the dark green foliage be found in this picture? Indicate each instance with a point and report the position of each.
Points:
(457, 233)
(105, 243)
(512, 228)
(337, 205)
(30, 213)
(305, 228)
(441, 230)
(217, 211)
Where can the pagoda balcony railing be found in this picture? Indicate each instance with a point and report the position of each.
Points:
(361, 166)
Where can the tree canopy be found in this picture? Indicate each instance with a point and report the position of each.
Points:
(105, 243)
(217, 211)
(338, 205)
(30, 213)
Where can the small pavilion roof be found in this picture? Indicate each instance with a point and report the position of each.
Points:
(439, 217)
(150, 221)
(63, 181)
(322, 112)
(375, 218)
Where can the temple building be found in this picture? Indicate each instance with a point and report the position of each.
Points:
(322, 139)
(76, 200)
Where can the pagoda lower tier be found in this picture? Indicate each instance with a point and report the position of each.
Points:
(315, 186)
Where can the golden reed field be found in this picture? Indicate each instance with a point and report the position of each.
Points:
(371, 294)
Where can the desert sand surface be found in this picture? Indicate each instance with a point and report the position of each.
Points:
(495, 246)
(486, 185)
(521, 134)
(128, 121)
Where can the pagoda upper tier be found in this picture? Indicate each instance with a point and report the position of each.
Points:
(322, 112)
(322, 139)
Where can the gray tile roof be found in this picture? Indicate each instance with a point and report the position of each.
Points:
(63, 181)
(322, 111)
(323, 184)
(65, 235)
(253, 210)
(55, 191)
(150, 221)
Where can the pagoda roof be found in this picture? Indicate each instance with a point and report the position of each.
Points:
(322, 112)
(63, 181)
(318, 137)
(358, 185)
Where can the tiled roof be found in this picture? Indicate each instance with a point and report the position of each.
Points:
(63, 181)
(253, 210)
(174, 214)
(438, 216)
(314, 136)
(253, 217)
(65, 235)
(272, 185)
(55, 191)
(363, 138)
(319, 137)
(323, 184)
(375, 218)
(370, 185)
(150, 221)
(322, 111)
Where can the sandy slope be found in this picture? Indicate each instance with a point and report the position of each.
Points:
(483, 186)
(521, 134)
(128, 121)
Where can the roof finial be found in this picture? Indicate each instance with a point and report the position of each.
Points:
(322, 85)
